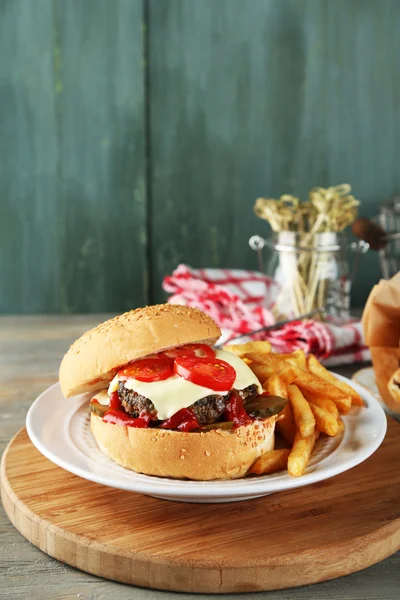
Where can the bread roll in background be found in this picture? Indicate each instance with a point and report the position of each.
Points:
(386, 362)
(381, 325)
(394, 386)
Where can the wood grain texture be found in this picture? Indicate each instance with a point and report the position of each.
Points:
(342, 525)
(261, 98)
(100, 104)
(29, 249)
(244, 99)
(25, 571)
(72, 206)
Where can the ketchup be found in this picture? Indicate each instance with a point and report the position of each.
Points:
(115, 401)
(118, 417)
(183, 420)
(235, 412)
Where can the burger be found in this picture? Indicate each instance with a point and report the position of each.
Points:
(163, 401)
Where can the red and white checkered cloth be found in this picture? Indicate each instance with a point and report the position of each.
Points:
(240, 301)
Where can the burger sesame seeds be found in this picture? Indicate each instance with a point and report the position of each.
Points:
(183, 450)
(207, 453)
(182, 457)
(153, 439)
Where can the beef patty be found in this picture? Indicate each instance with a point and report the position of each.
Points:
(207, 410)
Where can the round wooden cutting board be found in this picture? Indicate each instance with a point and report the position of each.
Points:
(288, 539)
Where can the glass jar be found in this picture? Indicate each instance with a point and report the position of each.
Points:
(312, 272)
(389, 220)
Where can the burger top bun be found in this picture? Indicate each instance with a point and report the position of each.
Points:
(92, 361)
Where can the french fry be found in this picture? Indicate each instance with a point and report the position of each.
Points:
(276, 361)
(267, 365)
(297, 358)
(313, 383)
(324, 420)
(262, 372)
(316, 399)
(300, 454)
(276, 366)
(322, 402)
(275, 387)
(355, 400)
(303, 416)
(242, 349)
(286, 425)
(287, 374)
(301, 359)
(316, 368)
(270, 462)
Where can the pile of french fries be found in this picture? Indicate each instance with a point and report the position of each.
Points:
(316, 401)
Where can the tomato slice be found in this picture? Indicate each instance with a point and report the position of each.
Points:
(148, 369)
(190, 351)
(212, 373)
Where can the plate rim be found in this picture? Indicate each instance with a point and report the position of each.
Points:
(213, 489)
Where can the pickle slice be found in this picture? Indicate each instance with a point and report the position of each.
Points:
(263, 407)
(220, 425)
(98, 409)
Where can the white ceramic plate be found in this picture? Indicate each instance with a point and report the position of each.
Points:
(59, 429)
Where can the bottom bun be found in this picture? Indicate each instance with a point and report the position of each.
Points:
(215, 454)
(386, 361)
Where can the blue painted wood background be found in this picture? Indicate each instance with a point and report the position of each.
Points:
(137, 134)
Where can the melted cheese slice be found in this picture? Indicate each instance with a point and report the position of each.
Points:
(172, 394)
(102, 398)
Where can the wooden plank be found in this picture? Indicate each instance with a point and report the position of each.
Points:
(72, 211)
(261, 98)
(29, 212)
(99, 78)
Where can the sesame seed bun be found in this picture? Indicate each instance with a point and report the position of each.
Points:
(203, 456)
(93, 360)
(385, 361)
(394, 389)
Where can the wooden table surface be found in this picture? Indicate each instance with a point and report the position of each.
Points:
(30, 351)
